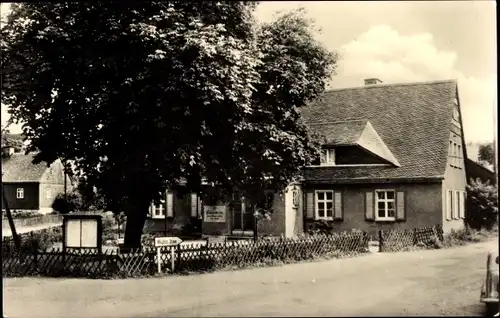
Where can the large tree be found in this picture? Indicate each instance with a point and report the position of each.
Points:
(143, 95)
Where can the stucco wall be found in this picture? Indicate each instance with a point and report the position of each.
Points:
(455, 179)
(423, 204)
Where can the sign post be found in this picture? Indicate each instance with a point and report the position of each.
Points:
(167, 241)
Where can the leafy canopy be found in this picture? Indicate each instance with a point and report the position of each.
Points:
(142, 96)
(485, 153)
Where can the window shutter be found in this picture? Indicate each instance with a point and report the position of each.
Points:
(170, 204)
(456, 201)
(310, 205)
(338, 206)
(448, 205)
(194, 205)
(199, 207)
(400, 206)
(369, 212)
(462, 205)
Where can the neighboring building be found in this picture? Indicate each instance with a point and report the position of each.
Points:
(28, 186)
(475, 170)
(393, 157)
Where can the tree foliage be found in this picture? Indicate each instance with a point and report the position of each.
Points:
(143, 96)
(485, 153)
(482, 204)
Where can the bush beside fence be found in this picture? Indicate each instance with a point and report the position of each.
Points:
(187, 258)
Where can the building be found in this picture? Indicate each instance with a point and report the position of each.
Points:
(211, 213)
(393, 157)
(28, 186)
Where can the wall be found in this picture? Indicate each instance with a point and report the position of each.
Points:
(182, 216)
(355, 155)
(53, 180)
(276, 225)
(423, 204)
(31, 196)
(455, 179)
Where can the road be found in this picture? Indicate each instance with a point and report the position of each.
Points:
(423, 283)
(26, 229)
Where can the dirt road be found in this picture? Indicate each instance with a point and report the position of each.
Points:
(427, 283)
(26, 229)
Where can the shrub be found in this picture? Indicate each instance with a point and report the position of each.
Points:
(36, 240)
(109, 226)
(72, 202)
(482, 205)
(21, 214)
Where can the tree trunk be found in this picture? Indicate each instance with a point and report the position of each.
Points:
(136, 217)
(17, 240)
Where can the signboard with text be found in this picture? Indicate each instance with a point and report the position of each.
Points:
(167, 241)
(215, 213)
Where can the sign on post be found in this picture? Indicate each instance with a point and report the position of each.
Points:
(167, 241)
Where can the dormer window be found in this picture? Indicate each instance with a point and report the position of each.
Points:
(328, 157)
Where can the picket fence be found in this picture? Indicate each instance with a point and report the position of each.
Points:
(187, 258)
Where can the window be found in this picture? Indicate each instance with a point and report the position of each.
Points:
(327, 157)
(324, 205)
(385, 205)
(20, 193)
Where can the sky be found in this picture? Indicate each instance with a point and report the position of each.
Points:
(407, 41)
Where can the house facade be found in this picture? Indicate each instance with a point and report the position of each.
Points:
(31, 187)
(393, 157)
(217, 215)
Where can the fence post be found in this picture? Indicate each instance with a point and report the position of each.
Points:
(380, 241)
(178, 255)
(415, 241)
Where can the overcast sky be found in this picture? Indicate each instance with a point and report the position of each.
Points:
(401, 41)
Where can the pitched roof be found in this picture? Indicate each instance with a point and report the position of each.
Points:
(355, 132)
(340, 133)
(20, 168)
(474, 170)
(412, 119)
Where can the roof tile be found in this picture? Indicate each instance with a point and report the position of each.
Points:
(413, 120)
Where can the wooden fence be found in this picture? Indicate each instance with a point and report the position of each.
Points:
(143, 262)
(402, 239)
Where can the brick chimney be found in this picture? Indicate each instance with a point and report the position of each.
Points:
(372, 81)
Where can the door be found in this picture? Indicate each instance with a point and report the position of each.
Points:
(243, 220)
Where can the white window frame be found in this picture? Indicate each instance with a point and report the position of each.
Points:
(20, 193)
(386, 202)
(325, 201)
(329, 155)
